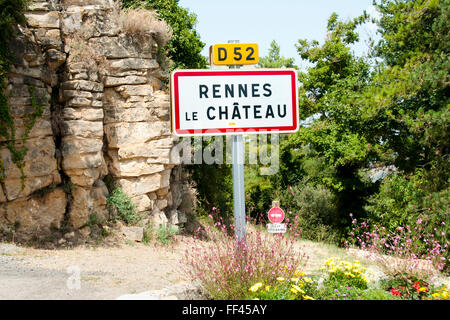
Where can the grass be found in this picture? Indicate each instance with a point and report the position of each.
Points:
(130, 243)
(90, 278)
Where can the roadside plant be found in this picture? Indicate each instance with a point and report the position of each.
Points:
(226, 269)
(406, 255)
(407, 289)
(299, 287)
(125, 208)
(345, 274)
(165, 234)
(441, 293)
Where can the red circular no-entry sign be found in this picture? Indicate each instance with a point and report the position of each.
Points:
(276, 215)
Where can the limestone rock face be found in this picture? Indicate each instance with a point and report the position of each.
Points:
(104, 113)
(34, 214)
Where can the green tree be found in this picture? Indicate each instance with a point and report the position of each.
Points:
(331, 149)
(274, 59)
(409, 101)
(395, 112)
(409, 96)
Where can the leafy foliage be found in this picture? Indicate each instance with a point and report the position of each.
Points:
(125, 208)
(360, 117)
(330, 149)
(311, 209)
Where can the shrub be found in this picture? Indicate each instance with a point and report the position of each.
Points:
(125, 208)
(141, 23)
(408, 254)
(259, 200)
(311, 208)
(406, 288)
(226, 270)
(402, 200)
(441, 293)
(345, 274)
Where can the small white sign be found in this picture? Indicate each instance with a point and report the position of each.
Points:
(276, 228)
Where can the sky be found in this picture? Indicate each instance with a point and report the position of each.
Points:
(285, 21)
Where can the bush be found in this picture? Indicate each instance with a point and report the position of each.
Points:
(345, 274)
(402, 200)
(311, 208)
(226, 271)
(407, 254)
(140, 23)
(259, 194)
(125, 208)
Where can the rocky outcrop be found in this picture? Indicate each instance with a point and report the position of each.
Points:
(104, 114)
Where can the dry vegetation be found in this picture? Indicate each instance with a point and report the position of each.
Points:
(141, 23)
(80, 51)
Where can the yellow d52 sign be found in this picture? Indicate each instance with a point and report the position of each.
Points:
(233, 54)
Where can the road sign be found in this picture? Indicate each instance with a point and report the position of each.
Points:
(233, 54)
(276, 228)
(215, 102)
(276, 215)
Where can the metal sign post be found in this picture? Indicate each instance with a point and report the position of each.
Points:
(237, 152)
(238, 188)
(234, 102)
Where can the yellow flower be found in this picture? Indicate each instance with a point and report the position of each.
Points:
(256, 299)
(255, 287)
(435, 295)
(267, 288)
(298, 273)
(308, 298)
(281, 279)
(306, 279)
(296, 289)
(422, 289)
(295, 280)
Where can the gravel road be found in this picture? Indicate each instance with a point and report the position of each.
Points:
(86, 272)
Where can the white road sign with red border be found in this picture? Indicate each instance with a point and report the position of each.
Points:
(217, 102)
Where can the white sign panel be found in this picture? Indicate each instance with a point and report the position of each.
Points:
(276, 228)
(214, 102)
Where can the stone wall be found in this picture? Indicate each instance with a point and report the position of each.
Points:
(104, 114)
